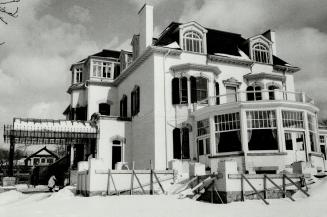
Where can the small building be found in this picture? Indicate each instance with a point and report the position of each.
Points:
(42, 157)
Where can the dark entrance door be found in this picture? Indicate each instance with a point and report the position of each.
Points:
(116, 155)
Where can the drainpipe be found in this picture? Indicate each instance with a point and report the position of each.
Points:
(165, 103)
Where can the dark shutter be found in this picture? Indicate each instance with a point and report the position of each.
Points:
(137, 100)
(193, 89)
(121, 108)
(177, 143)
(175, 90)
(132, 103)
(125, 107)
(185, 143)
(250, 94)
(184, 98)
(217, 93)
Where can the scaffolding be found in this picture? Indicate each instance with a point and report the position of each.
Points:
(47, 131)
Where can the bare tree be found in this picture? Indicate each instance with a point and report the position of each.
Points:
(6, 10)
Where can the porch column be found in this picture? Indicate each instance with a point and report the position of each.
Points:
(307, 135)
(280, 130)
(11, 156)
(244, 132)
(72, 155)
(212, 135)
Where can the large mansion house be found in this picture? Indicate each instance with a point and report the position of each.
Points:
(195, 94)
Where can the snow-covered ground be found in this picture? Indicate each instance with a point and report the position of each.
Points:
(65, 204)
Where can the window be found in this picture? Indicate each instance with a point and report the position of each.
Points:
(262, 130)
(228, 136)
(271, 90)
(135, 101)
(204, 146)
(253, 93)
(50, 160)
(231, 94)
(179, 90)
(123, 106)
(104, 109)
(192, 41)
(312, 131)
(78, 75)
(203, 127)
(260, 53)
(293, 119)
(36, 161)
(43, 160)
(217, 93)
(104, 69)
(294, 140)
(199, 88)
(322, 139)
(181, 148)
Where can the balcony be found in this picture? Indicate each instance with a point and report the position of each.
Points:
(263, 96)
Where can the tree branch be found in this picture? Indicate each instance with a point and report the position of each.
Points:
(6, 12)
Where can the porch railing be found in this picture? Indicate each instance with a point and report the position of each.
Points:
(256, 96)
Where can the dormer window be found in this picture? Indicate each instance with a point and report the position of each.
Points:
(260, 53)
(193, 41)
(78, 75)
(103, 69)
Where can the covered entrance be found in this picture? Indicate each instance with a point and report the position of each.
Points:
(117, 153)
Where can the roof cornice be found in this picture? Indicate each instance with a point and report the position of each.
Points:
(263, 75)
(290, 69)
(79, 86)
(230, 60)
(136, 63)
(197, 67)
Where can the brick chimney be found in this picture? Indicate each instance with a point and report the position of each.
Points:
(145, 27)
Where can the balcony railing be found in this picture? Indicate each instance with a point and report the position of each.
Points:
(255, 96)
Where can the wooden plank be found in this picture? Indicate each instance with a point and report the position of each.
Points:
(290, 197)
(298, 187)
(151, 179)
(255, 190)
(155, 175)
(137, 179)
(108, 184)
(272, 176)
(159, 172)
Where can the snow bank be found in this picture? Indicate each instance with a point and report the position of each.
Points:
(10, 197)
(65, 193)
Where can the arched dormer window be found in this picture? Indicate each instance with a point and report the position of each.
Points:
(271, 90)
(193, 42)
(260, 52)
(254, 93)
(104, 109)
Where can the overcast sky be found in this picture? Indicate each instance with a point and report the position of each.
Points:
(50, 35)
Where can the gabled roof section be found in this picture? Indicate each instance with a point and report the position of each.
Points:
(169, 35)
(41, 150)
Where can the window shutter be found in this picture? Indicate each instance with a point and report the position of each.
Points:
(132, 103)
(137, 100)
(193, 89)
(184, 96)
(175, 91)
(185, 143)
(125, 106)
(177, 143)
(217, 93)
(121, 108)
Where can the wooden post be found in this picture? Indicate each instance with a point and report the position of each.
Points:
(242, 189)
(151, 179)
(132, 179)
(264, 187)
(11, 156)
(108, 184)
(284, 186)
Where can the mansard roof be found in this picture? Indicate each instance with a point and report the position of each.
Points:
(217, 42)
(107, 53)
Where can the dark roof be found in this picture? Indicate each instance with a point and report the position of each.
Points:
(45, 149)
(217, 42)
(108, 53)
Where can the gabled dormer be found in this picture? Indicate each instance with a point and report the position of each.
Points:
(260, 49)
(193, 38)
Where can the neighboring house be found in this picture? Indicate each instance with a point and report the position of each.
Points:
(196, 94)
(42, 157)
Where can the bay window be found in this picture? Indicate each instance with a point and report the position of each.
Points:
(228, 135)
(262, 130)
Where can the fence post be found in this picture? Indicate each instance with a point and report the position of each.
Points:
(284, 186)
(264, 186)
(132, 179)
(108, 184)
(151, 178)
(242, 189)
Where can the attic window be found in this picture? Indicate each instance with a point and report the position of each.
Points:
(192, 41)
(260, 53)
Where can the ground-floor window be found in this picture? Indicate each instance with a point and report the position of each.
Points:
(323, 150)
(181, 148)
(228, 135)
(294, 140)
(262, 130)
(204, 146)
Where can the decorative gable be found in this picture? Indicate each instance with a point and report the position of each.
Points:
(260, 49)
(193, 37)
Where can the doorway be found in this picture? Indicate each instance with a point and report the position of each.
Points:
(295, 145)
(117, 153)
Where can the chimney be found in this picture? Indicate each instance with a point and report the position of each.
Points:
(145, 27)
(270, 34)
